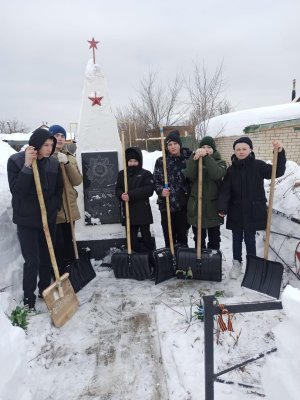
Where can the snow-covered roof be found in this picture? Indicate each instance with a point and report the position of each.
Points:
(15, 136)
(234, 123)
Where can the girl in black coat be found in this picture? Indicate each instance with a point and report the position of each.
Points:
(140, 188)
(242, 197)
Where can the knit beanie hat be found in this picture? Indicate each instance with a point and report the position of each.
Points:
(174, 136)
(54, 129)
(131, 154)
(208, 141)
(244, 139)
(39, 137)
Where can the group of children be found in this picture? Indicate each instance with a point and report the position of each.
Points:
(236, 192)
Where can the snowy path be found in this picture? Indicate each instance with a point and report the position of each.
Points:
(118, 353)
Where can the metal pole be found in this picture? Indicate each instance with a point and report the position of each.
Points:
(209, 346)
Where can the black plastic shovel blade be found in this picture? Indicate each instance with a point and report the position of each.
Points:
(208, 268)
(131, 266)
(164, 265)
(263, 276)
(81, 272)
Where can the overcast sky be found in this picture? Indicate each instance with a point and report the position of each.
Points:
(44, 50)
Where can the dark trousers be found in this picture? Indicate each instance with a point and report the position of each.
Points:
(179, 224)
(237, 240)
(146, 244)
(214, 237)
(64, 250)
(37, 259)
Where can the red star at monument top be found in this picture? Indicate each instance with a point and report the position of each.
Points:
(93, 43)
(96, 100)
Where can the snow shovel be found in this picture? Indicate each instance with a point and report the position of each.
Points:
(80, 270)
(129, 265)
(60, 297)
(164, 259)
(263, 275)
(199, 264)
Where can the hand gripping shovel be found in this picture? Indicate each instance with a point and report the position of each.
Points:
(129, 265)
(263, 275)
(199, 264)
(164, 259)
(60, 296)
(80, 270)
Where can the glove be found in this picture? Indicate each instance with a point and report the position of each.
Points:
(62, 158)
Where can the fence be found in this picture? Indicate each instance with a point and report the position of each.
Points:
(210, 310)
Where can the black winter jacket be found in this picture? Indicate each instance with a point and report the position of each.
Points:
(177, 182)
(140, 188)
(26, 208)
(242, 195)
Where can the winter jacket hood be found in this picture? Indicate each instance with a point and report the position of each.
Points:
(138, 155)
(39, 137)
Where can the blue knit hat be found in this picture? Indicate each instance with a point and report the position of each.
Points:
(54, 129)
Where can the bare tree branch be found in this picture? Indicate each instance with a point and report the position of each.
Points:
(205, 97)
(156, 104)
(12, 126)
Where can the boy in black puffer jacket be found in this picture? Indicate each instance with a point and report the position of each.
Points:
(140, 188)
(27, 212)
(242, 197)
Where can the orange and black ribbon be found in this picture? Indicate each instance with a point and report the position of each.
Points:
(221, 322)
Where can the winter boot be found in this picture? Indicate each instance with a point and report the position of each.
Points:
(29, 303)
(236, 269)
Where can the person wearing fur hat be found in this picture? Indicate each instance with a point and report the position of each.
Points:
(178, 189)
(140, 189)
(27, 212)
(242, 197)
(64, 250)
(214, 169)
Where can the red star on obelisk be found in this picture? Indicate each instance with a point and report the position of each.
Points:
(96, 100)
(93, 45)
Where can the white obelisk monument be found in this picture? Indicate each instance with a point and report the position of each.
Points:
(98, 143)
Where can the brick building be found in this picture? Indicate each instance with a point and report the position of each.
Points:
(262, 125)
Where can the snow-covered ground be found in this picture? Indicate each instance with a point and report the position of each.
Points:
(133, 340)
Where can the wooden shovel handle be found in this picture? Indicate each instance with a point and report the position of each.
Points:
(270, 205)
(126, 191)
(199, 215)
(69, 211)
(39, 191)
(166, 185)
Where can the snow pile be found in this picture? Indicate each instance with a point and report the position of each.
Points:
(10, 260)
(13, 366)
(281, 372)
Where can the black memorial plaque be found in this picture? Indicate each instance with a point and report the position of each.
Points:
(100, 172)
